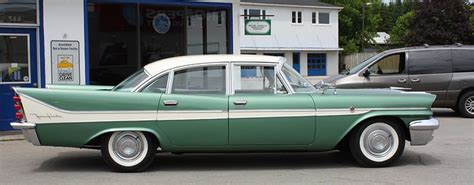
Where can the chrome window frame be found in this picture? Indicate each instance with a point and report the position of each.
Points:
(29, 57)
(277, 74)
(213, 64)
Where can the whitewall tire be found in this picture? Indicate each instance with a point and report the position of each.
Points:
(377, 142)
(128, 151)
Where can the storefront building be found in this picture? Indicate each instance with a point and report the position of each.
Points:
(103, 41)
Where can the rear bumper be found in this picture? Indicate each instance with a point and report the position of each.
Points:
(421, 131)
(29, 131)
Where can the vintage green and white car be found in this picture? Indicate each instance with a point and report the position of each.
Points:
(223, 103)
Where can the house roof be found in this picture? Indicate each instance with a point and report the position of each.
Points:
(292, 3)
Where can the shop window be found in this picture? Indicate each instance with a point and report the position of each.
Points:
(18, 12)
(14, 59)
(125, 37)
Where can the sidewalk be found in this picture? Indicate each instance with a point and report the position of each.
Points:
(11, 136)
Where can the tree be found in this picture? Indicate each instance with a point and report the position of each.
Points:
(440, 22)
(401, 30)
(351, 35)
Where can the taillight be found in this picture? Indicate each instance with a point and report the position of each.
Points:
(18, 108)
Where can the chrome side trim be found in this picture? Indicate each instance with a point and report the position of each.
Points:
(421, 131)
(29, 131)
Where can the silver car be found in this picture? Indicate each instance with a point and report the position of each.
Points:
(446, 71)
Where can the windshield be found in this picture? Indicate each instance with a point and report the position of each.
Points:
(297, 82)
(360, 66)
(131, 82)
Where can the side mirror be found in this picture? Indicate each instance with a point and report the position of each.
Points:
(366, 73)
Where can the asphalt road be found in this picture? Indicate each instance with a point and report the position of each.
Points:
(449, 159)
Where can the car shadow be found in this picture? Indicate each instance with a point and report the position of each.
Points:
(443, 113)
(91, 161)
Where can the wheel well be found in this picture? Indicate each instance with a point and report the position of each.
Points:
(344, 141)
(464, 91)
(95, 142)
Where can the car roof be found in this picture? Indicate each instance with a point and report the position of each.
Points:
(171, 63)
(436, 47)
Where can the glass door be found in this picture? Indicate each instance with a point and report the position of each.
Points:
(17, 68)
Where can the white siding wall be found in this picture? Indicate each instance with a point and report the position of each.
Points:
(288, 38)
(285, 34)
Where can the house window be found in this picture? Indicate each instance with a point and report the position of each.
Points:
(296, 17)
(323, 18)
(255, 14)
(314, 18)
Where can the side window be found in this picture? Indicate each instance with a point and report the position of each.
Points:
(430, 62)
(389, 65)
(280, 88)
(463, 61)
(200, 80)
(254, 79)
(159, 86)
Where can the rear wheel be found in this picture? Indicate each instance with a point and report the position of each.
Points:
(466, 105)
(377, 143)
(128, 151)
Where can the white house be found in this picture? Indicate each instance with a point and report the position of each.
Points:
(304, 31)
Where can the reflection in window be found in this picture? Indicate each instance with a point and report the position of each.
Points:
(18, 11)
(254, 79)
(14, 59)
(392, 64)
(127, 36)
(200, 80)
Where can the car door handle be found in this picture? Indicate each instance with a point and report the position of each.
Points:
(402, 81)
(170, 102)
(416, 80)
(240, 102)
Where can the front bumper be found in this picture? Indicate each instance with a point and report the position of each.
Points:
(29, 131)
(421, 131)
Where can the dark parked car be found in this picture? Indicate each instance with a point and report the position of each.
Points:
(446, 71)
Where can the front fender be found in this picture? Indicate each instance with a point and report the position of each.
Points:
(332, 129)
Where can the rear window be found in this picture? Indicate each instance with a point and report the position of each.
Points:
(430, 62)
(463, 60)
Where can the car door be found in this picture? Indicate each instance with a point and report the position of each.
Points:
(261, 112)
(431, 71)
(389, 71)
(194, 111)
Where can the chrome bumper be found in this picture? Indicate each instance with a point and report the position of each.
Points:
(29, 131)
(421, 131)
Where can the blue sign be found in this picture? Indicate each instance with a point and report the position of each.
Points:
(161, 23)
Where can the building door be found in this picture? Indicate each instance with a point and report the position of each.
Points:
(17, 68)
(296, 61)
(316, 64)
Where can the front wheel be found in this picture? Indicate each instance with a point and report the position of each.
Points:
(128, 151)
(377, 143)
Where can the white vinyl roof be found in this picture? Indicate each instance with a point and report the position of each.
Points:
(160, 66)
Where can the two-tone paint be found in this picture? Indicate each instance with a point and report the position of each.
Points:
(76, 116)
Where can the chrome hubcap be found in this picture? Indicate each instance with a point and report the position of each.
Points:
(378, 141)
(127, 146)
(469, 105)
